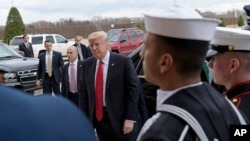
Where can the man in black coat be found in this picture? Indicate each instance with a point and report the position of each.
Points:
(110, 91)
(49, 73)
(71, 80)
(83, 51)
(26, 47)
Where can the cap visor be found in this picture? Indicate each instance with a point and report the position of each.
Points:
(211, 53)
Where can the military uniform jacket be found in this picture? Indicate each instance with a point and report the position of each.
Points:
(210, 109)
(240, 96)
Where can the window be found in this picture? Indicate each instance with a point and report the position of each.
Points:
(113, 37)
(141, 34)
(133, 35)
(124, 38)
(37, 40)
(60, 39)
(6, 51)
(137, 60)
(50, 38)
(111, 33)
(16, 41)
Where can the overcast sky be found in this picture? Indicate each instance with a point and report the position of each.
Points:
(53, 10)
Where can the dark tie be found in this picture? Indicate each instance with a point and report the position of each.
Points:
(99, 92)
(72, 78)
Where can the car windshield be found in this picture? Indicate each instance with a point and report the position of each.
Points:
(7, 52)
(113, 37)
(16, 41)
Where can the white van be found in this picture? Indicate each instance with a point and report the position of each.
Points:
(60, 43)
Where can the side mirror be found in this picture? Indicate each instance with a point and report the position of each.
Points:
(66, 41)
(21, 53)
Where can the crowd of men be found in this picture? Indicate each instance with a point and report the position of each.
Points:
(107, 101)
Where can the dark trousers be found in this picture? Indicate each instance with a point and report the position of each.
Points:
(50, 84)
(106, 132)
(74, 98)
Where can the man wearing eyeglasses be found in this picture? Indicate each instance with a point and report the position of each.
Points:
(83, 51)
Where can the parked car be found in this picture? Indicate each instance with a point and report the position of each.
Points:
(60, 43)
(150, 89)
(124, 41)
(18, 71)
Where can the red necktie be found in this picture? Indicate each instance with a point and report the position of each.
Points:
(99, 92)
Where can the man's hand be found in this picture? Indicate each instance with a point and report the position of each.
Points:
(38, 83)
(128, 126)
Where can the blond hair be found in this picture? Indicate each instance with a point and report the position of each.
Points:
(98, 34)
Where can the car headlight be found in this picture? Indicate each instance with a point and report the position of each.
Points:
(9, 75)
(8, 78)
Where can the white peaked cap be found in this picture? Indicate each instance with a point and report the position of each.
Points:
(229, 39)
(179, 21)
(238, 39)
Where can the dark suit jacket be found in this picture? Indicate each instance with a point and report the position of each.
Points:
(85, 51)
(142, 107)
(121, 93)
(27, 52)
(240, 96)
(57, 63)
(65, 78)
(43, 118)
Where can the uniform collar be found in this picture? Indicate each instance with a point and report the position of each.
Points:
(164, 95)
(238, 89)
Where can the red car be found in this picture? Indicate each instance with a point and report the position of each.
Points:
(124, 41)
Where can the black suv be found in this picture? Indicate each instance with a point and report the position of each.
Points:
(17, 71)
(150, 89)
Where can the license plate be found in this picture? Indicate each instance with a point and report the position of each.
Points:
(38, 92)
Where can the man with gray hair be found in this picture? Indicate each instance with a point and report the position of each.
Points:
(83, 51)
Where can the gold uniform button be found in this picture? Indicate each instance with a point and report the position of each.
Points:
(230, 47)
(235, 100)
